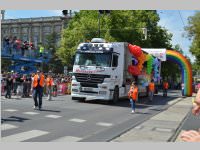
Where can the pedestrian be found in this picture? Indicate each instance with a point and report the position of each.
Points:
(49, 85)
(182, 88)
(9, 84)
(133, 96)
(165, 88)
(24, 85)
(32, 78)
(55, 82)
(192, 135)
(38, 85)
(151, 90)
(28, 80)
(41, 50)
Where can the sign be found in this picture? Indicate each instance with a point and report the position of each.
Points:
(65, 70)
(159, 53)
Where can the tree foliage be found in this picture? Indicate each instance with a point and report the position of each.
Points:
(119, 26)
(51, 45)
(193, 30)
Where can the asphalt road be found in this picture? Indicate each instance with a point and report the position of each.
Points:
(63, 119)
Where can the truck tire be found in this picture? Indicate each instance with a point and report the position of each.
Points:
(115, 95)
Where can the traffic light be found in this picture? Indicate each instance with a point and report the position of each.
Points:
(104, 11)
(65, 12)
(101, 11)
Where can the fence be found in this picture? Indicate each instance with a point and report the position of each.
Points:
(62, 89)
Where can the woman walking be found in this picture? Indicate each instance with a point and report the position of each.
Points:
(133, 95)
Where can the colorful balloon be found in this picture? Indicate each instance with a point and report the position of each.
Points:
(134, 70)
(135, 50)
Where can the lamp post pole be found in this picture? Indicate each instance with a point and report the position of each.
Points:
(99, 15)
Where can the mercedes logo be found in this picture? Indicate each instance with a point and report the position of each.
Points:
(88, 77)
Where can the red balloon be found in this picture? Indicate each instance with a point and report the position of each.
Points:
(135, 50)
(134, 70)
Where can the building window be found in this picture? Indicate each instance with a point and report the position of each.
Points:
(46, 29)
(14, 30)
(24, 30)
(24, 37)
(36, 29)
(58, 28)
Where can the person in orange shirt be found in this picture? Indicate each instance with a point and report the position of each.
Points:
(38, 85)
(165, 88)
(49, 85)
(133, 96)
(151, 90)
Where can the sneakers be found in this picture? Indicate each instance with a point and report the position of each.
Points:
(35, 107)
(132, 111)
(40, 108)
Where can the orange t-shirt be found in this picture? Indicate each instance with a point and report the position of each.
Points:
(49, 81)
(151, 86)
(133, 93)
(165, 85)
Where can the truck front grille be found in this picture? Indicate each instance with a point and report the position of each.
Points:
(90, 78)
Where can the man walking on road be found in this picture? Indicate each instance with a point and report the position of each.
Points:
(9, 84)
(151, 90)
(38, 84)
(165, 88)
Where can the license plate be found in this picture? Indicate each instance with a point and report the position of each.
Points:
(87, 89)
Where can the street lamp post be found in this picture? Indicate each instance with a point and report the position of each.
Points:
(99, 16)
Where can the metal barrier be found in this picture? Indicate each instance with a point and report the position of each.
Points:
(59, 89)
(64, 88)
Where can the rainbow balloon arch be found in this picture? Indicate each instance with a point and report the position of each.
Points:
(186, 69)
(139, 57)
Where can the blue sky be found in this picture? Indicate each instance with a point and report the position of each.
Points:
(173, 20)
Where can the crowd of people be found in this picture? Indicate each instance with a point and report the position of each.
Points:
(16, 46)
(21, 85)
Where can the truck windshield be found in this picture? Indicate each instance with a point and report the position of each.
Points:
(93, 59)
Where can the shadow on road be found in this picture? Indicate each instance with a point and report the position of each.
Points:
(49, 110)
(142, 103)
(14, 119)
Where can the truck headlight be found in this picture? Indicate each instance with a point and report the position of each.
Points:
(104, 87)
(74, 90)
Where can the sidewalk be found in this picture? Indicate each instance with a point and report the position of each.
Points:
(161, 127)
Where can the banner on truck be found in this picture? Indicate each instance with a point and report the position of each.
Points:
(159, 53)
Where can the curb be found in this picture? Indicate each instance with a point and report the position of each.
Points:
(178, 129)
(144, 120)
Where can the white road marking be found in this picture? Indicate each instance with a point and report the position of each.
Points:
(10, 110)
(7, 127)
(104, 124)
(53, 116)
(163, 129)
(23, 136)
(138, 127)
(173, 101)
(77, 120)
(67, 139)
(30, 113)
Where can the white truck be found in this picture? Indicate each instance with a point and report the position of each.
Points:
(100, 71)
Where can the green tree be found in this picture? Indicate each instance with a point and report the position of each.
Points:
(120, 25)
(193, 29)
(51, 46)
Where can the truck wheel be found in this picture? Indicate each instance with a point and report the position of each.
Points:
(115, 95)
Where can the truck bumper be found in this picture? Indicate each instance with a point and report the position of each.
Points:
(86, 96)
